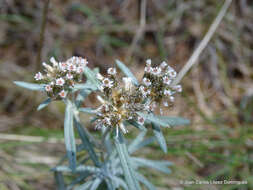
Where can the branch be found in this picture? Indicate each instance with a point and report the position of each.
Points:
(193, 59)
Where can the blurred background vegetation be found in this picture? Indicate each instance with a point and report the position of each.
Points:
(217, 97)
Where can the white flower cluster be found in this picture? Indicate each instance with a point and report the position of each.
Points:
(120, 101)
(61, 76)
(157, 83)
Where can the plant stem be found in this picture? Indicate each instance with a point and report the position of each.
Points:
(42, 32)
(125, 163)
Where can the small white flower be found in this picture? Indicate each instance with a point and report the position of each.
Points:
(128, 83)
(172, 99)
(152, 106)
(48, 88)
(148, 62)
(141, 120)
(107, 83)
(177, 88)
(52, 83)
(145, 91)
(112, 71)
(84, 62)
(163, 64)
(167, 92)
(63, 94)
(156, 71)
(148, 69)
(172, 73)
(99, 76)
(38, 76)
(71, 67)
(52, 60)
(69, 76)
(107, 121)
(60, 81)
(79, 69)
(63, 66)
(166, 80)
(146, 81)
(165, 104)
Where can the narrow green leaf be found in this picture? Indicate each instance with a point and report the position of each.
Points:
(153, 118)
(44, 104)
(69, 135)
(144, 181)
(81, 96)
(158, 165)
(120, 182)
(126, 163)
(164, 121)
(142, 144)
(86, 85)
(126, 71)
(87, 110)
(110, 185)
(95, 184)
(91, 76)
(85, 186)
(87, 143)
(137, 141)
(59, 180)
(159, 137)
(135, 124)
(30, 86)
(78, 180)
(78, 169)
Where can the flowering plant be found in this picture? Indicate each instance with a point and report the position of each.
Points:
(124, 103)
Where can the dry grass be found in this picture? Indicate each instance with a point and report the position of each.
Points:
(217, 98)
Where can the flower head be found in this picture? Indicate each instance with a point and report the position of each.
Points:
(38, 76)
(60, 77)
(121, 100)
(146, 81)
(166, 80)
(48, 88)
(112, 71)
(63, 94)
(60, 81)
(156, 71)
(158, 83)
(107, 83)
(141, 120)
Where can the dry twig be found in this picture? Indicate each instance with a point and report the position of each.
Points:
(193, 59)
